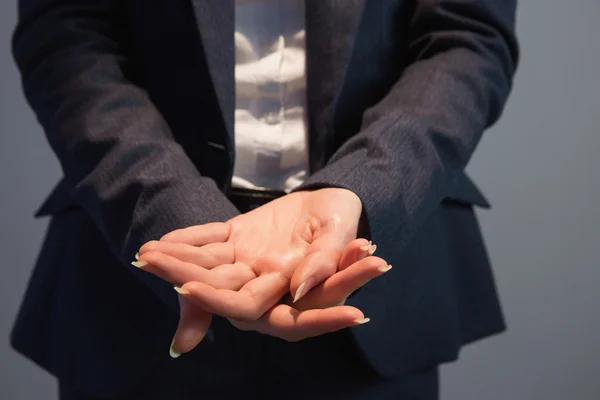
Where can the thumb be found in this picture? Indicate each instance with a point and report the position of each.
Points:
(338, 211)
(319, 262)
(322, 261)
(194, 322)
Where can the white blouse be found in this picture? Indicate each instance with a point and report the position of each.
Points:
(270, 78)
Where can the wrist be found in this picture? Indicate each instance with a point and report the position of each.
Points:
(348, 196)
(343, 194)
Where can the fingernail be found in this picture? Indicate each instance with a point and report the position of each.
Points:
(181, 291)
(366, 247)
(172, 352)
(385, 269)
(369, 248)
(361, 321)
(139, 264)
(372, 249)
(137, 256)
(304, 288)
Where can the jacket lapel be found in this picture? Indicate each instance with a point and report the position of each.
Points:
(216, 22)
(331, 27)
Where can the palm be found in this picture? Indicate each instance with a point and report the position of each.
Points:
(264, 239)
(279, 235)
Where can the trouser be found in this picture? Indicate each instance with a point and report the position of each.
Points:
(232, 364)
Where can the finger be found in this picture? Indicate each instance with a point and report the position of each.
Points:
(249, 303)
(321, 262)
(292, 325)
(193, 326)
(355, 251)
(237, 275)
(335, 290)
(199, 235)
(207, 256)
(178, 272)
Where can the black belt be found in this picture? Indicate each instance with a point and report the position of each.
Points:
(247, 199)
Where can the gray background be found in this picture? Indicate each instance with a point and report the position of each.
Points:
(538, 166)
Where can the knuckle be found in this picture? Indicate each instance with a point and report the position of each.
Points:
(254, 315)
(219, 282)
(251, 311)
(276, 261)
(150, 246)
(167, 237)
(152, 257)
(227, 228)
(191, 287)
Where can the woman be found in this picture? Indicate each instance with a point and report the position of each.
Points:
(377, 108)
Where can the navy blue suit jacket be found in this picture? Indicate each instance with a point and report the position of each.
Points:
(137, 101)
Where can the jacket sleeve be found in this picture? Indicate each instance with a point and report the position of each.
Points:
(118, 156)
(416, 141)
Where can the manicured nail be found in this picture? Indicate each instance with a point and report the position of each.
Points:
(181, 291)
(139, 264)
(372, 249)
(137, 256)
(369, 248)
(361, 321)
(385, 269)
(172, 352)
(366, 247)
(304, 288)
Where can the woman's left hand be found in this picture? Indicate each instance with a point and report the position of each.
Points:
(319, 312)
